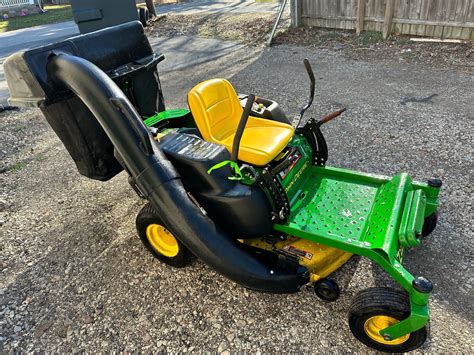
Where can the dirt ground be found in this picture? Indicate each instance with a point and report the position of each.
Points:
(254, 28)
(75, 276)
(250, 28)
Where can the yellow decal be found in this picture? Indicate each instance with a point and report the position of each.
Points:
(296, 177)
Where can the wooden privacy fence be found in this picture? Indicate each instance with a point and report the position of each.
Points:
(430, 18)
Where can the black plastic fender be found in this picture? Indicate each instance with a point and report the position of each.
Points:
(159, 182)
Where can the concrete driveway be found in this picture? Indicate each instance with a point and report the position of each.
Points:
(222, 6)
(14, 41)
(182, 51)
(187, 51)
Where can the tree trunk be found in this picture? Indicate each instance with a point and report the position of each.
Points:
(151, 7)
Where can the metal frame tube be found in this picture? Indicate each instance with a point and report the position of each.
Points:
(282, 7)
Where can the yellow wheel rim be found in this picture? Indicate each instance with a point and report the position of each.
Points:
(374, 325)
(162, 240)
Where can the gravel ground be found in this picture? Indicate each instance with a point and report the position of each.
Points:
(250, 28)
(254, 29)
(76, 278)
(369, 46)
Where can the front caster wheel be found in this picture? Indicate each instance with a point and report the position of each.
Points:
(377, 308)
(160, 241)
(327, 290)
(430, 224)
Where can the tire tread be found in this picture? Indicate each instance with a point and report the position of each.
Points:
(378, 301)
(148, 215)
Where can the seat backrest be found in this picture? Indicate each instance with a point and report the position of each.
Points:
(216, 109)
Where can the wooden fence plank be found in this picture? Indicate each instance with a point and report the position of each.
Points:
(378, 8)
(438, 29)
(423, 16)
(434, 23)
(452, 9)
(450, 16)
(387, 22)
(430, 15)
(399, 21)
(369, 8)
(468, 16)
(360, 16)
(354, 13)
(406, 14)
(416, 12)
(314, 7)
(433, 18)
(459, 16)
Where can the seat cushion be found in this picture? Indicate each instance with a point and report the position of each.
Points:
(262, 140)
(217, 111)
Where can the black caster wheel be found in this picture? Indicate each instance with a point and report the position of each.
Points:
(327, 290)
(377, 308)
(160, 241)
(430, 224)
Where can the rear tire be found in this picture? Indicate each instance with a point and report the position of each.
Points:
(376, 308)
(159, 240)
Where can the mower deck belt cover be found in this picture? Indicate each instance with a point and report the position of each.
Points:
(130, 62)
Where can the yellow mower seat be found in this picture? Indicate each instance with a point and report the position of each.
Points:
(217, 111)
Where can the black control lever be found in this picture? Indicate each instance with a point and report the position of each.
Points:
(289, 159)
(241, 127)
(312, 79)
